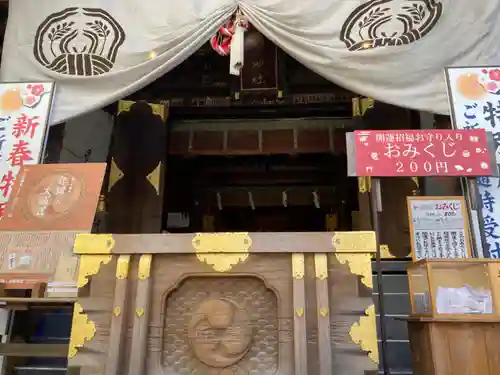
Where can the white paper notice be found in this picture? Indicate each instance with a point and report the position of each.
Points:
(439, 228)
(465, 300)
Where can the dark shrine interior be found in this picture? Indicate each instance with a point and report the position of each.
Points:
(253, 192)
(278, 193)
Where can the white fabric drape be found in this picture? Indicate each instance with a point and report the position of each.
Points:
(159, 35)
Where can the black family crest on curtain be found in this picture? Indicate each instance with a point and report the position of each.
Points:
(379, 23)
(78, 41)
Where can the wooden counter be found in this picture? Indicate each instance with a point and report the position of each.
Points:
(455, 346)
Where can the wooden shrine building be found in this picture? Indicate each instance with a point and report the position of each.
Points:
(230, 240)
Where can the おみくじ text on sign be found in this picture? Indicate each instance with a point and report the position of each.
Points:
(393, 153)
(438, 228)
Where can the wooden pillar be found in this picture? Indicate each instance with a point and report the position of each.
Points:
(361, 219)
(137, 168)
(299, 317)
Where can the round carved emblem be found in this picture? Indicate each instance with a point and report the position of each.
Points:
(78, 41)
(54, 196)
(219, 333)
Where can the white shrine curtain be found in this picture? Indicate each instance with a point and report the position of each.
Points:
(99, 51)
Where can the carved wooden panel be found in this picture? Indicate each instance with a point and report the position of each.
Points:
(225, 304)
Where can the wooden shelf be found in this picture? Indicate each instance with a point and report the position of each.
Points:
(22, 303)
(33, 350)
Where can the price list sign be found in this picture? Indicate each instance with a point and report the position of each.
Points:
(439, 228)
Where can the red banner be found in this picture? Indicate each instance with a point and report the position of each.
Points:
(392, 153)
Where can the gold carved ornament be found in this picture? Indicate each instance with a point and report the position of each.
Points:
(222, 251)
(82, 330)
(89, 266)
(364, 333)
(355, 250)
(94, 250)
(359, 264)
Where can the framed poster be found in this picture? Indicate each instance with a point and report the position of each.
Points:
(54, 197)
(24, 117)
(474, 96)
(439, 228)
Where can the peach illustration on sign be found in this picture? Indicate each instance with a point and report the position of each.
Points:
(10, 101)
(469, 87)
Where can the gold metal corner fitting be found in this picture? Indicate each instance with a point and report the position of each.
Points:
(89, 266)
(82, 330)
(122, 267)
(222, 251)
(156, 109)
(86, 243)
(359, 264)
(355, 242)
(154, 178)
(115, 174)
(364, 333)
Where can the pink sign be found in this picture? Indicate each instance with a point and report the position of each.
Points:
(391, 153)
